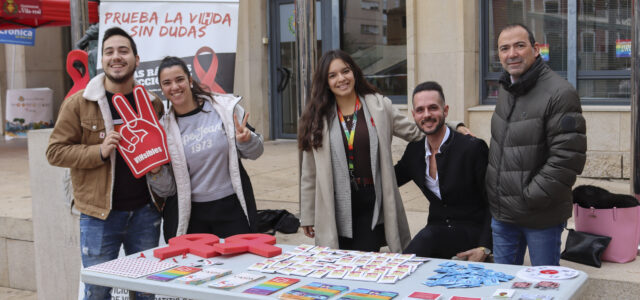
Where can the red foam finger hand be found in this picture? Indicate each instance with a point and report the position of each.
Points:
(256, 243)
(144, 144)
(143, 102)
(200, 244)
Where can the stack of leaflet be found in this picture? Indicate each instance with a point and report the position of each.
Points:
(323, 262)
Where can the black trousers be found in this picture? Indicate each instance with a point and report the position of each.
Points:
(364, 239)
(223, 217)
(444, 241)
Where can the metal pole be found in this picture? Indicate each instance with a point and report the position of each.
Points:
(635, 89)
(79, 14)
(306, 52)
(635, 85)
(306, 48)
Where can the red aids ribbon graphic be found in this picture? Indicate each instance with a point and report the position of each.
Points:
(143, 143)
(208, 78)
(256, 243)
(78, 70)
(200, 244)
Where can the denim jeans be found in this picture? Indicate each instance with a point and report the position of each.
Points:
(100, 241)
(510, 242)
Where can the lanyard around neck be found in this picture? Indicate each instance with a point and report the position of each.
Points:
(350, 133)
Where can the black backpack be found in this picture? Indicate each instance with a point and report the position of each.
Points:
(277, 220)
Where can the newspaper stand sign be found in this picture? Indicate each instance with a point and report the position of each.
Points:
(22, 36)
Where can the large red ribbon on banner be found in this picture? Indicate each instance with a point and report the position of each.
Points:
(208, 77)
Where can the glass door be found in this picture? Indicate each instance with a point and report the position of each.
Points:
(284, 67)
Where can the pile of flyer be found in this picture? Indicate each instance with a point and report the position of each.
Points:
(323, 262)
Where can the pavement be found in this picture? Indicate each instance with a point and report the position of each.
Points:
(275, 181)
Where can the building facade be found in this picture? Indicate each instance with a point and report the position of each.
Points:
(400, 43)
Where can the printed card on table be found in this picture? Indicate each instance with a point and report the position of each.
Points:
(207, 274)
(424, 296)
(503, 293)
(314, 291)
(362, 294)
(173, 273)
(271, 286)
(233, 281)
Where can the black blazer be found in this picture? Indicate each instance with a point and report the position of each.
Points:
(462, 164)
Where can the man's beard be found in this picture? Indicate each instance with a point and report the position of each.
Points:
(121, 79)
(430, 132)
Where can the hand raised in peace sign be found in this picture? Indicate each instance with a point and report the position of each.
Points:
(243, 134)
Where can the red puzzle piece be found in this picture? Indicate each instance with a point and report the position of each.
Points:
(200, 244)
(256, 243)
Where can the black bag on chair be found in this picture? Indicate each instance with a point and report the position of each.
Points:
(585, 248)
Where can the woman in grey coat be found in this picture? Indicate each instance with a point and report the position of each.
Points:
(349, 198)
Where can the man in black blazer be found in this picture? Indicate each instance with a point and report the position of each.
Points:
(449, 169)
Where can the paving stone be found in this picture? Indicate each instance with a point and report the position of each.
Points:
(21, 261)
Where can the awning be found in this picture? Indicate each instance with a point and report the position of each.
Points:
(37, 13)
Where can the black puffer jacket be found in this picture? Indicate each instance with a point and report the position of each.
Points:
(538, 145)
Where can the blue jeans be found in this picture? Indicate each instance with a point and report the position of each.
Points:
(510, 243)
(100, 241)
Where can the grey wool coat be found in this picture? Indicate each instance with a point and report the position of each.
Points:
(318, 199)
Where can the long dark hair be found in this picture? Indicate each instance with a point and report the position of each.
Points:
(196, 89)
(319, 107)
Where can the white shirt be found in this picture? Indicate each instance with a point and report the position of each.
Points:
(433, 184)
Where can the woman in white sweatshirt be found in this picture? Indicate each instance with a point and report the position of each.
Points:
(207, 134)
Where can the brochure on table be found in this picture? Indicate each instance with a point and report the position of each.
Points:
(241, 263)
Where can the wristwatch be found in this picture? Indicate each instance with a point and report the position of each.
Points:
(486, 250)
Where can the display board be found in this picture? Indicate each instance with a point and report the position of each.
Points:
(28, 109)
(203, 33)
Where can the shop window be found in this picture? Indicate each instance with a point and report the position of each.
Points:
(369, 29)
(377, 41)
(598, 62)
(370, 5)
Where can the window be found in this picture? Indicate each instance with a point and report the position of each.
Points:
(600, 66)
(369, 29)
(370, 5)
(377, 41)
(551, 7)
(588, 42)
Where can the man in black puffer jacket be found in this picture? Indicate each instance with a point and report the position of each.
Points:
(538, 145)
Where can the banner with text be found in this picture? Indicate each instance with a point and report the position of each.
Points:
(203, 34)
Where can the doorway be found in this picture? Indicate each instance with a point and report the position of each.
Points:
(284, 64)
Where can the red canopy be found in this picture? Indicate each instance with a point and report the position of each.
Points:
(36, 13)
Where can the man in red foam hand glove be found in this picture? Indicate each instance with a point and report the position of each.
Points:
(117, 209)
(143, 143)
